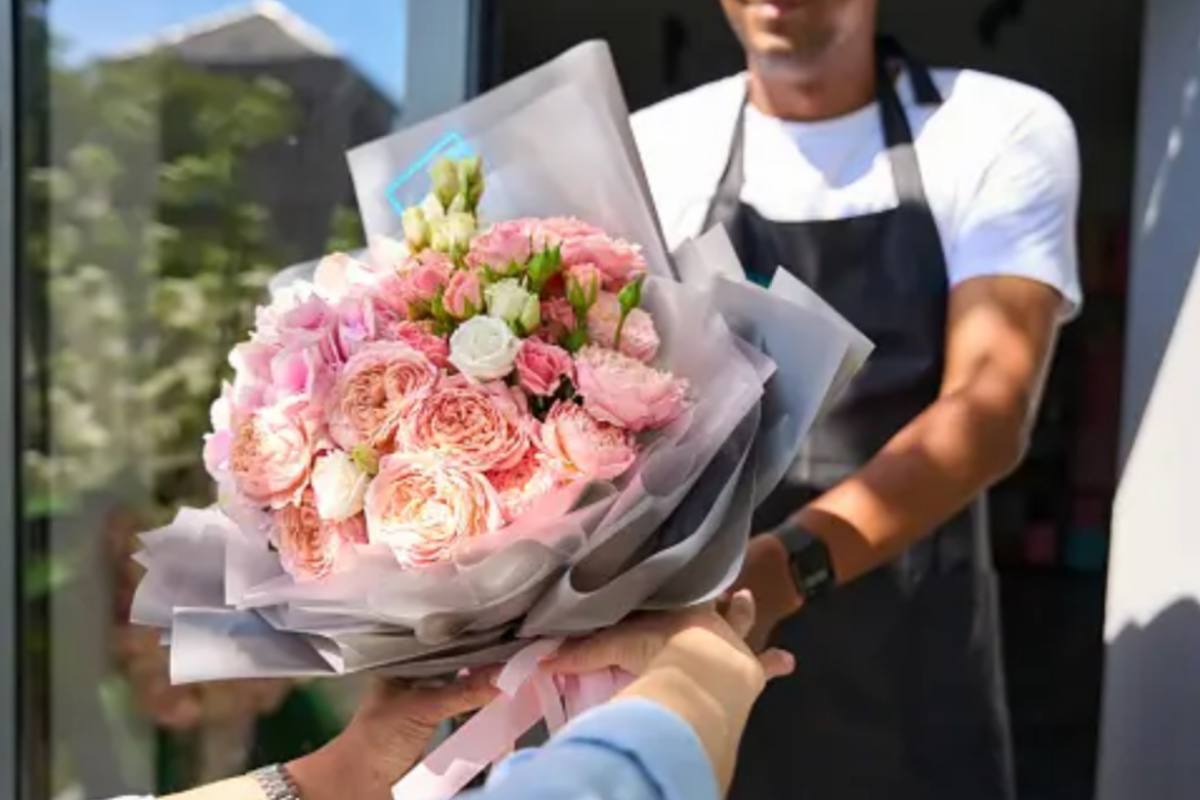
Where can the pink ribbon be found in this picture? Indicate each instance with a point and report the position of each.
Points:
(527, 695)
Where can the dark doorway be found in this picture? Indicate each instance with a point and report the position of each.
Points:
(1050, 519)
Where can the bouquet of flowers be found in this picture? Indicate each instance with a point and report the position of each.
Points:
(497, 426)
(442, 390)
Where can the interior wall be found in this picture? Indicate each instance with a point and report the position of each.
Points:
(1151, 717)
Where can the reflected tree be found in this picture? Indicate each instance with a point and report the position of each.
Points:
(145, 257)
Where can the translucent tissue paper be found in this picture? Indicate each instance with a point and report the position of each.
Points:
(762, 364)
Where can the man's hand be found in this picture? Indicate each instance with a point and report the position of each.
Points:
(767, 574)
(387, 736)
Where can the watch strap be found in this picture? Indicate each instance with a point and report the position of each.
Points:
(276, 783)
(808, 558)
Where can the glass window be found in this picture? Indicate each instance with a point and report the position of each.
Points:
(175, 156)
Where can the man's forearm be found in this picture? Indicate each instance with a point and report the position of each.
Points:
(929, 471)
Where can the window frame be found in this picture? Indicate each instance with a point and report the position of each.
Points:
(10, 540)
(19, 712)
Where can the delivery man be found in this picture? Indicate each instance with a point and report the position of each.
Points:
(936, 211)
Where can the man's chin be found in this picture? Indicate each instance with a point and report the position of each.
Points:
(786, 62)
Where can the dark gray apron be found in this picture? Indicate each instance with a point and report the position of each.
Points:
(898, 691)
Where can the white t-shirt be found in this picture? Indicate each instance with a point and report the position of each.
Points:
(999, 161)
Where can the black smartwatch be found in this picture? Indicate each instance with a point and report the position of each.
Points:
(808, 556)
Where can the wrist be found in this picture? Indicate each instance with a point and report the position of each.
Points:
(809, 562)
(335, 771)
(364, 761)
(710, 690)
(783, 597)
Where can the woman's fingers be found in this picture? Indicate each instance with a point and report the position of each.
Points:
(776, 663)
(599, 651)
(471, 693)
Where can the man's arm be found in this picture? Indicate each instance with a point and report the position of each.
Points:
(1000, 335)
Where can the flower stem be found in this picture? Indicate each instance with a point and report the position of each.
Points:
(620, 327)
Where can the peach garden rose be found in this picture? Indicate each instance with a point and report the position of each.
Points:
(421, 507)
(271, 452)
(374, 388)
(466, 425)
(309, 547)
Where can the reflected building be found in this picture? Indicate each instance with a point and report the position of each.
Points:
(336, 108)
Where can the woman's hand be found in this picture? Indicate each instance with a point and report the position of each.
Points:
(632, 646)
(387, 736)
(694, 663)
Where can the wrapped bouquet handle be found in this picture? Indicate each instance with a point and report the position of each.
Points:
(527, 695)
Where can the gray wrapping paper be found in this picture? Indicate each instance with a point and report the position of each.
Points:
(762, 364)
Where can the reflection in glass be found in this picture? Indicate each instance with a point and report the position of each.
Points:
(164, 184)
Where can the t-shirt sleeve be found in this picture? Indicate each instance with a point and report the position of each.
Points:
(1021, 219)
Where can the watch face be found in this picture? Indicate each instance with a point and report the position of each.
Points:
(811, 565)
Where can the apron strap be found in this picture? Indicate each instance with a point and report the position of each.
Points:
(726, 199)
(897, 133)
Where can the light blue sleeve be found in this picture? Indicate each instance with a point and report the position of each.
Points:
(625, 750)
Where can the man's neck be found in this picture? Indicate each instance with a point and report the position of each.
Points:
(845, 83)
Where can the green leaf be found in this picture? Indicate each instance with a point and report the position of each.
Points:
(630, 295)
(365, 459)
(576, 340)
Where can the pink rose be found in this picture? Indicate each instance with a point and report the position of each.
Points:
(271, 453)
(375, 387)
(464, 294)
(499, 246)
(420, 337)
(618, 261)
(422, 507)
(541, 367)
(391, 291)
(558, 318)
(583, 446)
(520, 486)
(467, 426)
(625, 392)
(427, 273)
(553, 231)
(639, 339)
(309, 547)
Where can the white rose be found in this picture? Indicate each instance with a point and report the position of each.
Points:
(339, 486)
(483, 348)
(506, 299)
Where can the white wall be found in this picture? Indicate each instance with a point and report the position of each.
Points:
(1151, 729)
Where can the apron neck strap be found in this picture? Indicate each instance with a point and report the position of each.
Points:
(897, 134)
